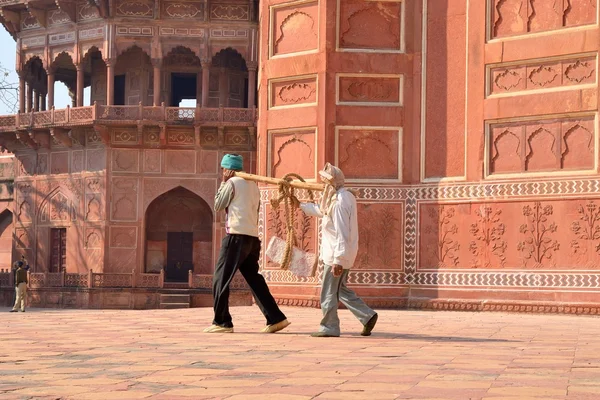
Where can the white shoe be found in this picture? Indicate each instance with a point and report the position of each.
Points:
(218, 329)
(276, 327)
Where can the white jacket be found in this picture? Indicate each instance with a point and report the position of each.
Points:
(339, 229)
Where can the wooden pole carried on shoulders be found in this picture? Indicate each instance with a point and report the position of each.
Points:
(276, 181)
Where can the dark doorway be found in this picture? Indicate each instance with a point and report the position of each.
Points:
(180, 256)
(119, 99)
(183, 87)
(58, 250)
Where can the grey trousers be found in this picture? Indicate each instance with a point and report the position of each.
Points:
(334, 290)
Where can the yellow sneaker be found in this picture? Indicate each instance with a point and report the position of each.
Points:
(276, 327)
(218, 329)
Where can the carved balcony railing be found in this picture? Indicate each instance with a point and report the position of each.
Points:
(74, 116)
(112, 280)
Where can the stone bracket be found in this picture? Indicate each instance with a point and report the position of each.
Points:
(38, 13)
(11, 20)
(197, 133)
(62, 135)
(41, 139)
(102, 131)
(221, 136)
(101, 6)
(25, 139)
(68, 7)
(252, 135)
(162, 137)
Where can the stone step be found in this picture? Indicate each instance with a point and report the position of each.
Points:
(174, 305)
(175, 298)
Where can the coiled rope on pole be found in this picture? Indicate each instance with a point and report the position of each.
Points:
(291, 203)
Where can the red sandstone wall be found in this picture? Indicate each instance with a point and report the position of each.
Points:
(470, 127)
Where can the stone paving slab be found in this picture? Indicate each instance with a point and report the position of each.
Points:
(162, 354)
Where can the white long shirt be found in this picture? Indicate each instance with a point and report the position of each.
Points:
(241, 201)
(339, 229)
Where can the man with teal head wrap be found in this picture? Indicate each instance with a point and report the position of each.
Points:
(240, 249)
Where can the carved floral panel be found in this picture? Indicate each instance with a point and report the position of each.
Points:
(182, 10)
(180, 162)
(518, 17)
(544, 145)
(538, 235)
(134, 8)
(380, 227)
(370, 90)
(123, 237)
(152, 161)
(125, 160)
(293, 92)
(292, 151)
(230, 12)
(370, 25)
(382, 147)
(542, 75)
(294, 28)
(305, 229)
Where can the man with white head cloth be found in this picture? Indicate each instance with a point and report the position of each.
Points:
(339, 246)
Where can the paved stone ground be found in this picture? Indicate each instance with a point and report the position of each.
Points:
(162, 354)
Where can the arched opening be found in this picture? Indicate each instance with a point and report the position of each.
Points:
(231, 77)
(6, 230)
(65, 73)
(133, 74)
(179, 226)
(183, 67)
(94, 78)
(37, 87)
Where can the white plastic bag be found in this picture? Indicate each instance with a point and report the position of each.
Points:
(302, 263)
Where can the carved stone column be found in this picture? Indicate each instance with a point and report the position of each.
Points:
(21, 93)
(223, 87)
(205, 83)
(110, 82)
(42, 101)
(156, 64)
(79, 95)
(29, 97)
(50, 89)
(36, 100)
(252, 86)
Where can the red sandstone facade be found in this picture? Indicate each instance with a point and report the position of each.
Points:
(469, 127)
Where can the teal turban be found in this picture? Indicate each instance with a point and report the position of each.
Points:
(232, 161)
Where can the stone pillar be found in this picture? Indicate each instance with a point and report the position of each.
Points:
(110, 82)
(251, 86)
(21, 93)
(36, 100)
(79, 95)
(42, 101)
(223, 87)
(205, 83)
(50, 89)
(29, 97)
(156, 84)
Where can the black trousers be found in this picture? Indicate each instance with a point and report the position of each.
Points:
(241, 252)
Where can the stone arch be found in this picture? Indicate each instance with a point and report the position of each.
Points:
(95, 73)
(58, 207)
(34, 70)
(129, 46)
(63, 65)
(235, 91)
(179, 234)
(177, 50)
(132, 73)
(6, 234)
(230, 57)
